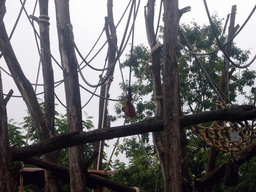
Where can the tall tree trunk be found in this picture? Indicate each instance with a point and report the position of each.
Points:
(24, 86)
(171, 98)
(69, 67)
(47, 65)
(52, 182)
(157, 136)
(8, 176)
(110, 30)
(214, 153)
(8, 181)
(149, 21)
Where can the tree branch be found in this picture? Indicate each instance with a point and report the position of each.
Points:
(238, 113)
(214, 176)
(23, 85)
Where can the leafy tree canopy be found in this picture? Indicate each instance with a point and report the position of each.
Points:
(197, 95)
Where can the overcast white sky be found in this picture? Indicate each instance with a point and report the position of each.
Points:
(88, 20)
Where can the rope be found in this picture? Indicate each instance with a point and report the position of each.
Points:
(229, 41)
(135, 95)
(60, 101)
(93, 93)
(105, 41)
(218, 136)
(218, 41)
(87, 63)
(58, 83)
(121, 49)
(159, 17)
(212, 52)
(93, 48)
(216, 88)
(37, 34)
(14, 26)
(145, 68)
(133, 29)
(115, 146)
(241, 174)
(117, 141)
(44, 18)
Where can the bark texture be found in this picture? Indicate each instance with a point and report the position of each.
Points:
(171, 98)
(234, 114)
(149, 12)
(53, 183)
(104, 121)
(8, 173)
(69, 67)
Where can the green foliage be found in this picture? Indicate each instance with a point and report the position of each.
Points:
(15, 134)
(32, 188)
(142, 171)
(195, 89)
(17, 138)
(246, 182)
(196, 93)
(144, 108)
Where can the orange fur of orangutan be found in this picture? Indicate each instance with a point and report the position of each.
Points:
(129, 109)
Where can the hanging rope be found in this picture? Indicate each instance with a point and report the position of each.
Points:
(145, 69)
(218, 41)
(159, 17)
(209, 53)
(133, 30)
(134, 97)
(37, 34)
(216, 88)
(15, 24)
(119, 53)
(105, 41)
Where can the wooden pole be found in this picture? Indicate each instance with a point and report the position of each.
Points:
(8, 181)
(52, 182)
(74, 115)
(47, 65)
(240, 113)
(224, 87)
(104, 121)
(156, 74)
(171, 98)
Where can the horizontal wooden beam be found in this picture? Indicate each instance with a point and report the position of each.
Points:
(235, 114)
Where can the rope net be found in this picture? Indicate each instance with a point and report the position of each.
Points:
(218, 136)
